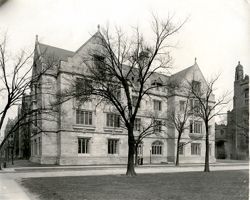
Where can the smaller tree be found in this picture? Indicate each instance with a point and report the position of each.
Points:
(178, 120)
(207, 107)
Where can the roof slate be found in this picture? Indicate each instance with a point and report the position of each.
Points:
(58, 53)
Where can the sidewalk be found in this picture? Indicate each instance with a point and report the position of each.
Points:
(11, 190)
(43, 168)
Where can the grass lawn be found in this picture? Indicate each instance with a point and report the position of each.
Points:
(217, 185)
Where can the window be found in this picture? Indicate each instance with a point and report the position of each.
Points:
(196, 86)
(140, 149)
(36, 119)
(99, 62)
(196, 106)
(157, 148)
(157, 85)
(182, 106)
(195, 127)
(157, 105)
(35, 147)
(195, 149)
(39, 146)
(83, 117)
(137, 124)
(157, 125)
(134, 101)
(83, 145)
(113, 146)
(113, 120)
(181, 148)
(83, 87)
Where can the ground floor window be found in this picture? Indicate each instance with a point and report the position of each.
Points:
(35, 147)
(195, 149)
(140, 149)
(157, 148)
(113, 146)
(210, 149)
(39, 146)
(83, 145)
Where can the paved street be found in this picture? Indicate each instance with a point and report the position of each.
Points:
(11, 189)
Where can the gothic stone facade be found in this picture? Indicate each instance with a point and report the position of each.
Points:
(238, 118)
(92, 134)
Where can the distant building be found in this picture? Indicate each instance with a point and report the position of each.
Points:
(10, 144)
(234, 144)
(18, 132)
(87, 134)
(23, 132)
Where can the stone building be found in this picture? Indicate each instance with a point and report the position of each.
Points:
(23, 132)
(90, 134)
(221, 142)
(238, 118)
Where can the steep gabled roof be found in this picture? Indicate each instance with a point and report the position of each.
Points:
(182, 74)
(96, 35)
(58, 53)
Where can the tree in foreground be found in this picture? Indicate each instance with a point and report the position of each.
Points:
(16, 80)
(207, 107)
(119, 71)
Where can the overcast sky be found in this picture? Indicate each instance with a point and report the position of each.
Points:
(217, 32)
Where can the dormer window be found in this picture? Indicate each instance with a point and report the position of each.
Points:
(99, 62)
(157, 84)
(196, 86)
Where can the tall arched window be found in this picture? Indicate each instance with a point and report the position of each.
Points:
(157, 148)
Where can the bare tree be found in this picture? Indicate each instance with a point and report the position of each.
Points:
(16, 79)
(178, 119)
(119, 68)
(207, 106)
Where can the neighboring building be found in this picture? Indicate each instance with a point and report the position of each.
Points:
(10, 147)
(238, 118)
(18, 142)
(221, 142)
(23, 132)
(86, 134)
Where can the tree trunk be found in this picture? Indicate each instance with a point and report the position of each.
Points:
(206, 167)
(136, 154)
(178, 149)
(131, 149)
